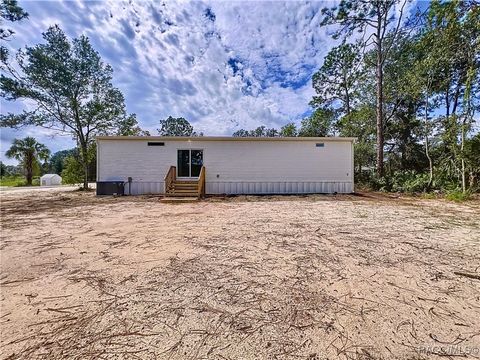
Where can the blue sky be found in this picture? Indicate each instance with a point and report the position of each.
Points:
(221, 65)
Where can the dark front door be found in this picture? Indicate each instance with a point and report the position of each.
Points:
(183, 163)
(189, 163)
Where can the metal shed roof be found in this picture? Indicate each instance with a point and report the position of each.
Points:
(49, 176)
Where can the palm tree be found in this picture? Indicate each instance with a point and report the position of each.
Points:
(29, 152)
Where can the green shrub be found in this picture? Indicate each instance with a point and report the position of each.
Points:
(400, 181)
(415, 183)
(72, 171)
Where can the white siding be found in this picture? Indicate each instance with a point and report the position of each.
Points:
(233, 167)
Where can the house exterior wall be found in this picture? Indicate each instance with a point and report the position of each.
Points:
(233, 166)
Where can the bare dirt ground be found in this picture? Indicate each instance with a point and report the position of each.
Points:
(317, 277)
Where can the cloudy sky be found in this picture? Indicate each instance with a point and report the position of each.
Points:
(221, 65)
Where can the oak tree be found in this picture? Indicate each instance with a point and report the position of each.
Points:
(71, 87)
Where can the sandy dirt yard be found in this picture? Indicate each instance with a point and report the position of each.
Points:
(316, 277)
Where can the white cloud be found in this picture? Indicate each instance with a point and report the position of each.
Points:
(222, 65)
(185, 57)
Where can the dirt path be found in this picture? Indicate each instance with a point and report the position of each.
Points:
(243, 278)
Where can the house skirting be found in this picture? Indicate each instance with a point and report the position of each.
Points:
(250, 187)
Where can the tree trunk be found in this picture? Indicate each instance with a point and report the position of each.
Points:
(84, 155)
(29, 176)
(347, 97)
(379, 80)
(447, 103)
(85, 180)
(455, 100)
(427, 147)
(348, 103)
(29, 169)
(464, 185)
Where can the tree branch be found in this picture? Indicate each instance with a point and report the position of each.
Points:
(395, 33)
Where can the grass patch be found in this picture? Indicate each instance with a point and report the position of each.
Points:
(18, 180)
(458, 196)
(12, 181)
(430, 195)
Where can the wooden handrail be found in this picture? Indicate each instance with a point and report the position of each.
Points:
(201, 182)
(170, 178)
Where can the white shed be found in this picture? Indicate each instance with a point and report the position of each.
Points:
(228, 165)
(50, 180)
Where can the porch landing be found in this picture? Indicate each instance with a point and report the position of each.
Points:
(178, 200)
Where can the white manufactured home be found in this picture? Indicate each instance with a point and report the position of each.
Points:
(223, 165)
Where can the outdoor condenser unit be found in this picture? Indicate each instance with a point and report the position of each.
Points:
(110, 188)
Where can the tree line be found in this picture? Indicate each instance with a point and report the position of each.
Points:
(406, 87)
(35, 159)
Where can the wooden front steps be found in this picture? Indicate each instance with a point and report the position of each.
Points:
(184, 188)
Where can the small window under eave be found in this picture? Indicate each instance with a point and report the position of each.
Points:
(155, 143)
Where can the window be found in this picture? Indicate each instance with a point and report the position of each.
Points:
(152, 143)
(320, 145)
